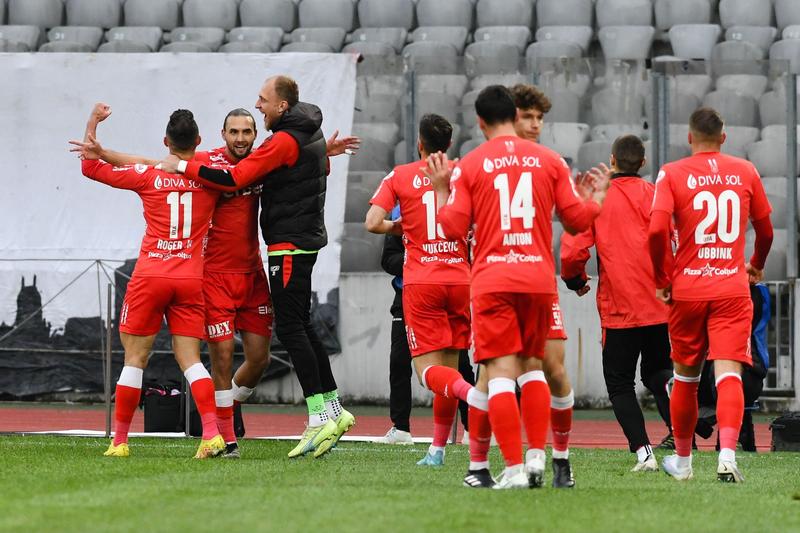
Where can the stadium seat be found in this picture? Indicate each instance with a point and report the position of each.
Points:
(580, 35)
(186, 47)
(308, 47)
(545, 55)
(442, 104)
(694, 41)
(449, 13)
(553, 82)
(468, 146)
(29, 36)
(211, 37)
(775, 268)
(760, 36)
(612, 106)
(401, 155)
(101, 13)
(370, 180)
(681, 106)
(566, 107)
(626, 42)
(66, 46)
(672, 12)
(564, 13)
(610, 132)
(505, 13)
(374, 155)
(455, 35)
(745, 13)
(2, 12)
(679, 133)
(593, 153)
(565, 138)
(149, 36)
(373, 56)
(777, 132)
(479, 83)
(327, 14)
(769, 156)
(787, 50)
(386, 132)
(43, 13)
(738, 109)
(453, 84)
(269, 13)
(272, 37)
(394, 37)
(386, 14)
(361, 250)
(468, 117)
(430, 57)
(519, 36)
(734, 52)
(380, 84)
(333, 37)
(775, 187)
(772, 107)
(356, 202)
(488, 57)
(162, 13)
(738, 138)
(786, 13)
(750, 84)
(246, 47)
(376, 108)
(7, 46)
(122, 46)
(695, 84)
(207, 13)
(624, 13)
(77, 34)
(678, 149)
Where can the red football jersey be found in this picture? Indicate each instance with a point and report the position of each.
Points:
(508, 188)
(177, 214)
(711, 195)
(233, 237)
(430, 258)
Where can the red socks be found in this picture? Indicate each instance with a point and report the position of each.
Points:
(444, 412)
(203, 393)
(683, 412)
(446, 381)
(128, 393)
(535, 404)
(480, 435)
(504, 417)
(225, 403)
(730, 409)
(561, 422)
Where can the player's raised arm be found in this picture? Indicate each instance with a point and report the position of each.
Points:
(575, 212)
(453, 200)
(91, 149)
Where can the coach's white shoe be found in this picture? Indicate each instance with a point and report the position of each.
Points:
(396, 436)
(670, 465)
(534, 468)
(648, 465)
(728, 472)
(516, 479)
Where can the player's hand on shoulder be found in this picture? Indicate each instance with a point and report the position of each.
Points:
(346, 145)
(169, 164)
(754, 275)
(88, 150)
(101, 111)
(665, 295)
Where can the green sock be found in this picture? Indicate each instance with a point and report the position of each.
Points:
(316, 405)
(330, 396)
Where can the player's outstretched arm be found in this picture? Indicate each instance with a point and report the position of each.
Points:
(574, 255)
(376, 222)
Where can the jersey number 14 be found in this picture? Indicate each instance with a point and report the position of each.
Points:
(520, 205)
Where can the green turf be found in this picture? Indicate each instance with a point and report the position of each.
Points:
(64, 484)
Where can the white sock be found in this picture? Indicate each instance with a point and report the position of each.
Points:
(478, 399)
(684, 462)
(131, 377)
(726, 454)
(643, 453)
(533, 453)
(195, 372)
(224, 398)
(433, 449)
(478, 465)
(241, 394)
(317, 420)
(558, 454)
(511, 471)
(333, 408)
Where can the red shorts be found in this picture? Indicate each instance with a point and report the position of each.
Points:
(237, 302)
(149, 299)
(508, 323)
(437, 317)
(556, 330)
(720, 328)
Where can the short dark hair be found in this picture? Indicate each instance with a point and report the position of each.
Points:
(286, 89)
(238, 112)
(528, 96)
(435, 133)
(706, 124)
(182, 130)
(495, 105)
(628, 151)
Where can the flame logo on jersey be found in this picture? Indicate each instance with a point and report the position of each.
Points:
(488, 166)
(691, 182)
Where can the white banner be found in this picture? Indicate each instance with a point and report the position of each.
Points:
(50, 211)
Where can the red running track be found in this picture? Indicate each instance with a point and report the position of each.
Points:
(585, 433)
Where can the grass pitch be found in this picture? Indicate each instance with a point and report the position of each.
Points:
(64, 484)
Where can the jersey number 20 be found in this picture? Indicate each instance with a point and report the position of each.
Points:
(725, 210)
(174, 200)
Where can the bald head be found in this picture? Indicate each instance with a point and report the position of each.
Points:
(277, 95)
(285, 88)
